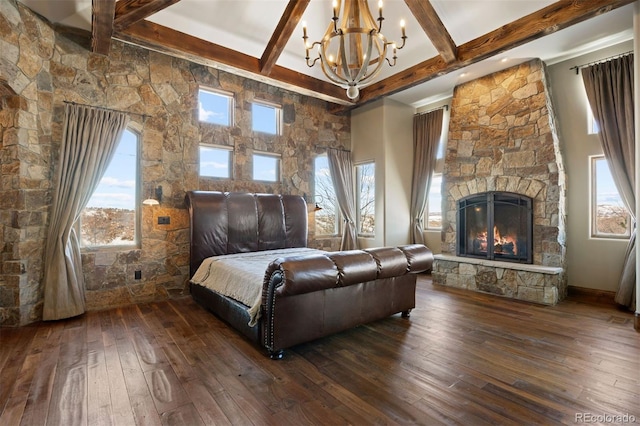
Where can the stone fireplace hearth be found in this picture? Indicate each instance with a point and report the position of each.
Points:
(502, 137)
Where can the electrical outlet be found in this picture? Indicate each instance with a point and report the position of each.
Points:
(137, 275)
(164, 220)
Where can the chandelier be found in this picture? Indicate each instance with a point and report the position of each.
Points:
(352, 52)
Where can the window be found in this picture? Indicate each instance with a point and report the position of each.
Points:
(215, 107)
(433, 212)
(265, 118)
(266, 167)
(609, 216)
(111, 217)
(366, 198)
(216, 161)
(594, 129)
(328, 219)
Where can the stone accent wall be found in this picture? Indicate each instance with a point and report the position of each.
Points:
(42, 67)
(502, 137)
(26, 44)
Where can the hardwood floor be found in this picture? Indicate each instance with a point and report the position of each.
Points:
(462, 358)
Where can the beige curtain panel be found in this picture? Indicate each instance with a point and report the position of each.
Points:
(90, 138)
(426, 136)
(341, 169)
(609, 87)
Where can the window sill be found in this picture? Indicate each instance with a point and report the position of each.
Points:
(113, 248)
(624, 239)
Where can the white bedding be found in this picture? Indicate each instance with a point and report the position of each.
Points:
(240, 276)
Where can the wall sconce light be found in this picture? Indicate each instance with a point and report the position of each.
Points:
(154, 201)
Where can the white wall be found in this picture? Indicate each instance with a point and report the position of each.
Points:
(591, 262)
(398, 153)
(383, 132)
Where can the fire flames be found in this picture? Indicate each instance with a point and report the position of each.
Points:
(501, 244)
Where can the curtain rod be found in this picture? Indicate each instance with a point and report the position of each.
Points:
(331, 147)
(144, 116)
(588, 64)
(444, 107)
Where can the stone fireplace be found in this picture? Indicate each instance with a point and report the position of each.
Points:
(503, 142)
(495, 225)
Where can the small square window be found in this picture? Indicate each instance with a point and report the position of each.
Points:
(266, 167)
(215, 107)
(265, 118)
(216, 161)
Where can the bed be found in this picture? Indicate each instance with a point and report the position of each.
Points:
(303, 294)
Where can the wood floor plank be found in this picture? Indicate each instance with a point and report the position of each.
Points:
(181, 416)
(463, 358)
(37, 408)
(119, 394)
(144, 410)
(208, 408)
(15, 406)
(98, 394)
(13, 360)
(68, 403)
(166, 390)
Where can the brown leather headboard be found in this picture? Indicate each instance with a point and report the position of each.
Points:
(239, 222)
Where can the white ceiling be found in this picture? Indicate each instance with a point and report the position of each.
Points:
(247, 25)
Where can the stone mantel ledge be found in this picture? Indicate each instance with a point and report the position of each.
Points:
(498, 264)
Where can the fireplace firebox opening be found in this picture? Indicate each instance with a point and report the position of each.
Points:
(495, 226)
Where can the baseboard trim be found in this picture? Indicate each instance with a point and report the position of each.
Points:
(602, 297)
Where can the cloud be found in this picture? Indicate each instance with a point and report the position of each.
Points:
(324, 172)
(119, 200)
(214, 164)
(612, 197)
(110, 181)
(209, 116)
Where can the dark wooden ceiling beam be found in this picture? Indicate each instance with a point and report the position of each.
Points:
(282, 34)
(128, 12)
(548, 20)
(166, 40)
(430, 22)
(102, 13)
